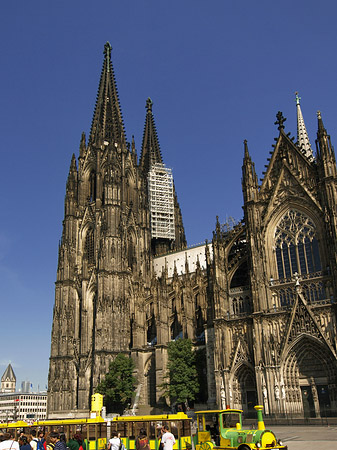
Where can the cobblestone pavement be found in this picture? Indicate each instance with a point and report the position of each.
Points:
(307, 438)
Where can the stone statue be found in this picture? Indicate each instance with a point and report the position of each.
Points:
(277, 392)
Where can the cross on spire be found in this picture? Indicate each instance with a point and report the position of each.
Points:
(149, 104)
(280, 120)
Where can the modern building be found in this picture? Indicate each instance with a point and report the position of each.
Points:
(23, 405)
(19, 406)
(258, 300)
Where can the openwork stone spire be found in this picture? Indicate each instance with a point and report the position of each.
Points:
(107, 124)
(150, 147)
(302, 135)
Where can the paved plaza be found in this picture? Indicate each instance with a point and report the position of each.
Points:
(305, 438)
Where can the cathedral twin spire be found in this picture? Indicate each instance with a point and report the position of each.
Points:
(107, 124)
(150, 147)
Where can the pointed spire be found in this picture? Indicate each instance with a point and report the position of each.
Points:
(321, 130)
(72, 177)
(325, 152)
(82, 146)
(245, 144)
(302, 135)
(249, 177)
(9, 374)
(107, 124)
(73, 167)
(150, 147)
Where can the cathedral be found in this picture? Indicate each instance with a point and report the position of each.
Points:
(259, 301)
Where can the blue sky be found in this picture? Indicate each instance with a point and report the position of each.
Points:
(217, 72)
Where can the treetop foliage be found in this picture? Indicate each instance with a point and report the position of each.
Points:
(118, 385)
(181, 378)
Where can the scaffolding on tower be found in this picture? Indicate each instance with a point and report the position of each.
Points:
(161, 198)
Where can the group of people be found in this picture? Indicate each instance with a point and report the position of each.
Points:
(41, 441)
(167, 440)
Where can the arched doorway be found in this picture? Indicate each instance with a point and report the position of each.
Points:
(310, 377)
(150, 374)
(244, 390)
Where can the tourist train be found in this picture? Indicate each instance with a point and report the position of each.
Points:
(216, 429)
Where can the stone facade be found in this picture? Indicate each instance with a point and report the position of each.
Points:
(260, 301)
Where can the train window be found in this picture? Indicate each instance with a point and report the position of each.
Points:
(92, 432)
(186, 427)
(200, 423)
(137, 427)
(152, 430)
(120, 427)
(229, 420)
(173, 427)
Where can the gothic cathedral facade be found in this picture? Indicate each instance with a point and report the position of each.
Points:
(259, 301)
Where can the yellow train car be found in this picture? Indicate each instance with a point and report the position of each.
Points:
(93, 431)
(129, 428)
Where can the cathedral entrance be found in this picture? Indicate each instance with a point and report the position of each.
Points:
(245, 395)
(308, 402)
(310, 379)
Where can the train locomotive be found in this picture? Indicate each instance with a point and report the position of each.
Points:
(222, 429)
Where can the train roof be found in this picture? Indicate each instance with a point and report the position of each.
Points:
(218, 411)
(152, 417)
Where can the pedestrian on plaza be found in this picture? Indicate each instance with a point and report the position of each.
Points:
(142, 442)
(73, 444)
(33, 439)
(58, 444)
(41, 438)
(23, 442)
(168, 440)
(8, 443)
(159, 436)
(63, 439)
(80, 441)
(114, 442)
(49, 444)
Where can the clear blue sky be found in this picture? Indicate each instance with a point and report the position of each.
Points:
(217, 71)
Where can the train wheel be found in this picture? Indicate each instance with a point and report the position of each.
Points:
(206, 446)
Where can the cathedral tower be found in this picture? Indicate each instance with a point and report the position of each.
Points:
(105, 254)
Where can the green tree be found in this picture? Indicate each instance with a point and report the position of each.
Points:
(118, 385)
(181, 383)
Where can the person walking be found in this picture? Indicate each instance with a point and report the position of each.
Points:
(168, 440)
(58, 443)
(142, 442)
(114, 442)
(9, 443)
(23, 442)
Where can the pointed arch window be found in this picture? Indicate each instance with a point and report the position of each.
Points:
(92, 186)
(296, 245)
(89, 247)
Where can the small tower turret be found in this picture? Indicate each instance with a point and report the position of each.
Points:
(249, 177)
(8, 380)
(325, 152)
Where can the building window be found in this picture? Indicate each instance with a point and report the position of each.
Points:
(296, 245)
(89, 247)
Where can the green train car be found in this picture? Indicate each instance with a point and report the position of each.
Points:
(223, 430)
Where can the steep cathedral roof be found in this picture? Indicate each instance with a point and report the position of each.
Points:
(9, 374)
(150, 147)
(302, 135)
(107, 124)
